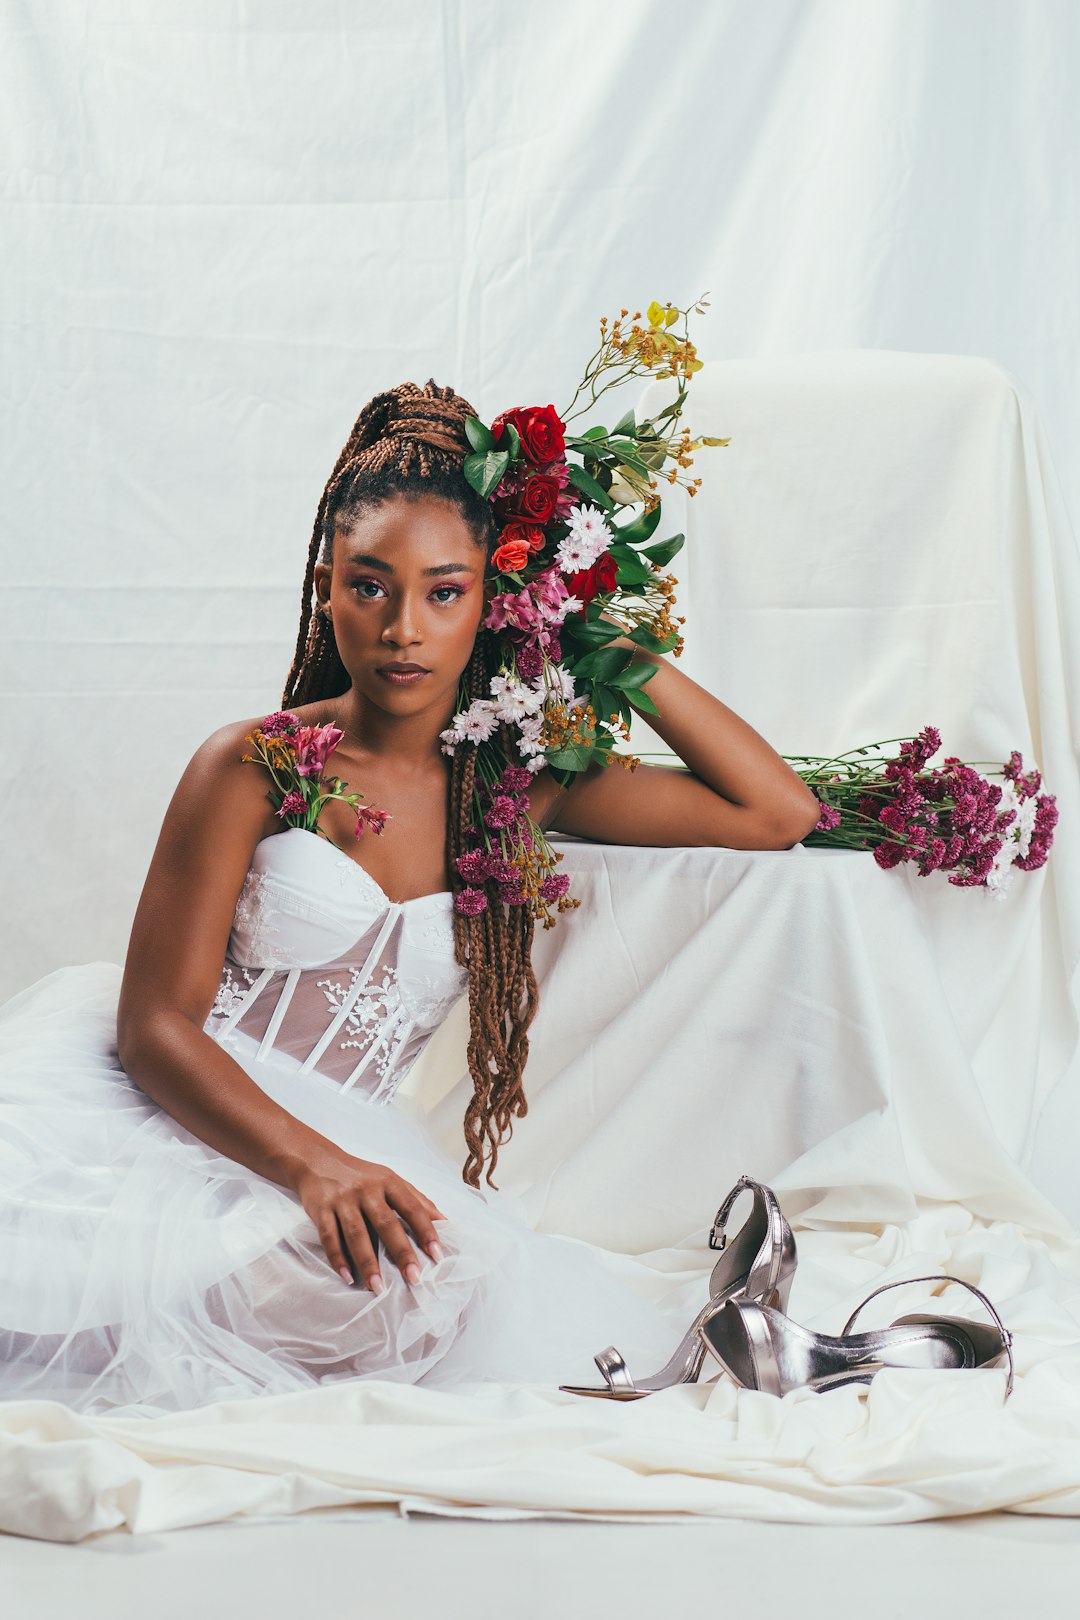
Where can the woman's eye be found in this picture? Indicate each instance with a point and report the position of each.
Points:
(367, 587)
(454, 590)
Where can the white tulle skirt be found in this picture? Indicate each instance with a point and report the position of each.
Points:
(143, 1270)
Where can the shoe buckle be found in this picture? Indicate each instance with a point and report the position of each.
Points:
(718, 1232)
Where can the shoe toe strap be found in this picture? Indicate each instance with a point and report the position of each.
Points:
(613, 1367)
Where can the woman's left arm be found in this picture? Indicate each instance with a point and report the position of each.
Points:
(738, 793)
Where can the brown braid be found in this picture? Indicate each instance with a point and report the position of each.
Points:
(411, 441)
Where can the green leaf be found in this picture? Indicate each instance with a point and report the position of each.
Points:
(666, 549)
(630, 570)
(625, 424)
(478, 435)
(627, 452)
(634, 678)
(643, 703)
(574, 757)
(484, 468)
(652, 643)
(588, 486)
(632, 534)
(594, 433)
(513, 440)
(590, 634)
(605, 702)
(603, 663)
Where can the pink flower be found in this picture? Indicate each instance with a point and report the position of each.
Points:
(512, 894)
(530, 662)
(554, 886)
(1042, 834)
(314, 745)
(293, 804)
(470, 902)
(502, 812)
(1026, 786)
(282, 723)
(473, 866)
(366, 816)
(829, 818)
(514, 779)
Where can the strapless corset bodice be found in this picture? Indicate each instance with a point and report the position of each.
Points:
(325, 973)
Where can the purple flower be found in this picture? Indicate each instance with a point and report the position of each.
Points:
(530, 661)
(293, 804)
(829, 818)
(512, 893)
(515, 779)
(554, 886)
(470, 902)
(502, 812)
(474, 866)
(282, 723)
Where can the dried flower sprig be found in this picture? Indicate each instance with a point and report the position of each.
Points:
(296, 756)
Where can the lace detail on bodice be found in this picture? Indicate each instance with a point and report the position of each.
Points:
(326, 973)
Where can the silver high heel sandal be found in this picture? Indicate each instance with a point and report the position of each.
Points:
(761, 1349)
(758, 1263)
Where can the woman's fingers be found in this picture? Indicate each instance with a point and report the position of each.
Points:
(393, 1237)
(330, 1238)
(361, 1249)
(414, 1206)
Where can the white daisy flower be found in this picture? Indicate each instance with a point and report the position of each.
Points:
(529, 736)
(535, 763)
(477, 722)
(513, 700)
(559, 681)
(588, 524)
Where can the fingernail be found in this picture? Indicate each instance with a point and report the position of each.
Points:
(375, 1283)
(435, 1250)
(440, 1217)
(343, 1271)
(412, 1272)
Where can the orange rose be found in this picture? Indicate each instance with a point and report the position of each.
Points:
(511, 556)
(529, 534)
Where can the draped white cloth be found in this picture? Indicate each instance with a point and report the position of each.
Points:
(879, 1047)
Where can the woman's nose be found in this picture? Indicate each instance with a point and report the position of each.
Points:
(401, 629)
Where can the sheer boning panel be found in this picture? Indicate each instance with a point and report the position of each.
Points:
(360, 1018)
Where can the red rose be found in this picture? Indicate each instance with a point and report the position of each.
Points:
(540, 429)
(529, 534)
(536, 501)
(593, 581)
(511, 556)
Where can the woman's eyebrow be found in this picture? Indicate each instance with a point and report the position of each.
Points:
(366, 560)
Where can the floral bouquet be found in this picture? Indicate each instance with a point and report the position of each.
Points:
(947, 819)
(570, 580)
(296, 756)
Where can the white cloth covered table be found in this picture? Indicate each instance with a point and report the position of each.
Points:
(888, 552)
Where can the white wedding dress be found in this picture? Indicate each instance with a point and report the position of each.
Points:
(144, 1271)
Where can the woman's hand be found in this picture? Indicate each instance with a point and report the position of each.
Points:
(353, 1203)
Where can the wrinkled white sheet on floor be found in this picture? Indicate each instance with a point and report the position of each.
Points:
(723, 1011)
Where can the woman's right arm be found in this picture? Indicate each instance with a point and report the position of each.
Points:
(217, 815)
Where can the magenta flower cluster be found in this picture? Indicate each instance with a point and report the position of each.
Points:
(505, 808)
(948, 818)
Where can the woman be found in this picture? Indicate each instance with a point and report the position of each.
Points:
(205, 1194)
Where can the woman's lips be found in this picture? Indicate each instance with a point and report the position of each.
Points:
(402, 674)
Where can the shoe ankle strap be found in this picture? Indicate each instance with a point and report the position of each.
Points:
(942, 1276)
(718, 1235)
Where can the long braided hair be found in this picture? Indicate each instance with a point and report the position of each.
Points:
(411, 441)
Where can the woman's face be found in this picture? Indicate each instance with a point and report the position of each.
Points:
(406, 593)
